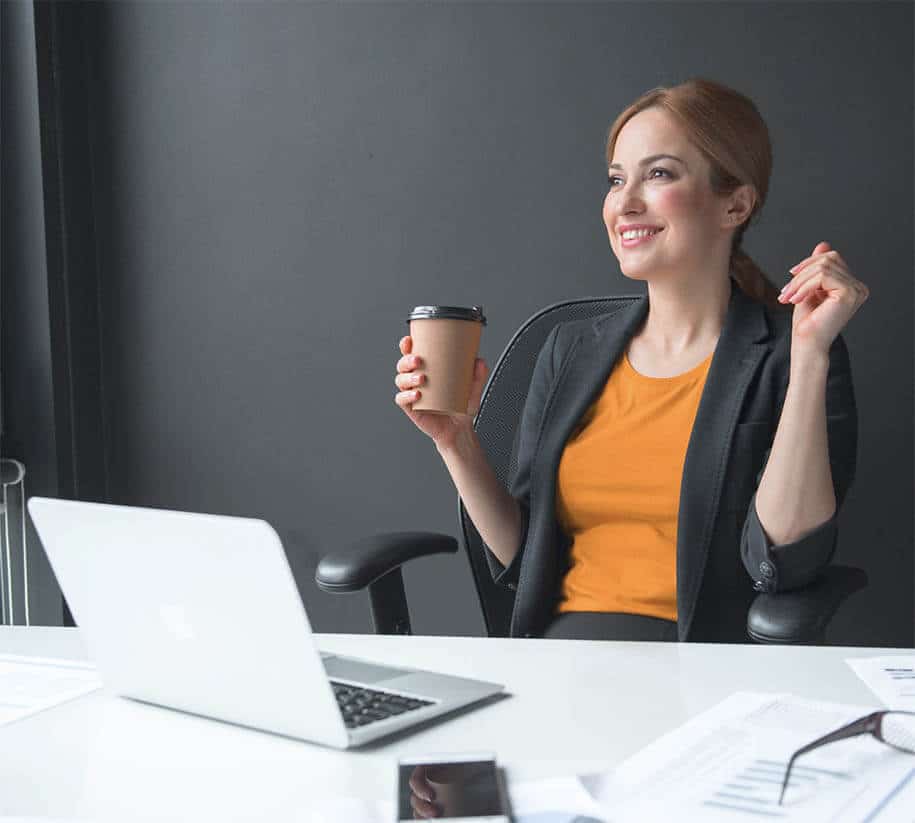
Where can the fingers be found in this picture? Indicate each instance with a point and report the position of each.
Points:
(801, 279)
(798, 267)
(405, 399)
(831, 254)
(423, 809)
(831, 279)
(419, 784)
(406, 380)
(409, 362)
(837, 288)
(409, 380)
(805, 289)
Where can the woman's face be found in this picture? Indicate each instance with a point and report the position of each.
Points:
(672, 195)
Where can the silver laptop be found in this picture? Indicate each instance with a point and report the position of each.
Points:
(201, 613)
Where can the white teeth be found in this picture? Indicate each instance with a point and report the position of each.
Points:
(629, 235)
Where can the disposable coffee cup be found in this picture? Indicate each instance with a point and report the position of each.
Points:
(447, 339)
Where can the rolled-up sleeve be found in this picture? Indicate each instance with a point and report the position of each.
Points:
(780, 567)
(520, 484)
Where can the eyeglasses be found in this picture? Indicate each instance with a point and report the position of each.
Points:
(896, 729)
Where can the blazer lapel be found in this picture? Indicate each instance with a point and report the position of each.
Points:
(590, 367)
(738, 354)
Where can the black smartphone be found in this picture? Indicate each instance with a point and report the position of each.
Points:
(462, 787)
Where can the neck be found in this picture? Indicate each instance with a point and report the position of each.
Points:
(683, 314)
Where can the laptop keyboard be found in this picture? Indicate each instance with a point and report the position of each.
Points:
(361, 706)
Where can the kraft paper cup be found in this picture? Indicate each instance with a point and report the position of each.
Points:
(447, 339)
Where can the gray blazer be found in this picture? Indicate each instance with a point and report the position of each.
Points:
(723, 556)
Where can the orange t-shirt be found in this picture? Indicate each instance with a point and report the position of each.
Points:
(618, 492)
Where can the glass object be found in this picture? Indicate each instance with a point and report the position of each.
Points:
(14, 567)
(895, 728)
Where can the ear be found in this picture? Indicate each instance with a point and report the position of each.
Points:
(740, 205)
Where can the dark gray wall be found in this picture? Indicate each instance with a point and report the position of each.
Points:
(276, 185)
(29, 432)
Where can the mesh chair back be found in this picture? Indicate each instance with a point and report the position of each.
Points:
(497, 427)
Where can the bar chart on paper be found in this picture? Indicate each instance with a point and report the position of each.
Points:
(744, 786)
(754, 789)
(729, 764)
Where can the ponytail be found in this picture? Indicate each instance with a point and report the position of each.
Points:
(753, 281)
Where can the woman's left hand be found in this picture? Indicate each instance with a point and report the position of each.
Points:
(825, 296)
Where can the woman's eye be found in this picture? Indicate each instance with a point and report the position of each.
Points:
(615, 177)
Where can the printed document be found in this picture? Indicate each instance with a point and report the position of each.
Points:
(891, 678)
(728, 764)
(30, 684)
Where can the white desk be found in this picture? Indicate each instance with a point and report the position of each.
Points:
(575, 706)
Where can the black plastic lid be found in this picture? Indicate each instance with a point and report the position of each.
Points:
(452, 312)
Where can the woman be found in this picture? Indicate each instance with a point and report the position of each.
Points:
(694, 447)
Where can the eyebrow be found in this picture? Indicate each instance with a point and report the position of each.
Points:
(648, 160)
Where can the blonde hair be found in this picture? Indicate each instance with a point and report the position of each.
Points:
(726, 127)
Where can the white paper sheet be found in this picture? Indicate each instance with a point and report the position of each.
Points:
(31, 684)
(553, 800)
(335, 810)
(891, 678)
(727, 764)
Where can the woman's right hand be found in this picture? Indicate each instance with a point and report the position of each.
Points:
(442, 428)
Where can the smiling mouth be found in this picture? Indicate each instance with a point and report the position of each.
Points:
(635, 241)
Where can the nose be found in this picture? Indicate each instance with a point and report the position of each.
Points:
(629, 202)
(626, 200)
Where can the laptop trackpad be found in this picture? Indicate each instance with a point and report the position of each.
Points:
(346, 668)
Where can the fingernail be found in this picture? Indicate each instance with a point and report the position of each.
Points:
(785, 288)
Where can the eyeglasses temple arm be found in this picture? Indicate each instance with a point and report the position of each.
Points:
(861, 726)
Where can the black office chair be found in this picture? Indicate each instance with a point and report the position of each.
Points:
(798, 616)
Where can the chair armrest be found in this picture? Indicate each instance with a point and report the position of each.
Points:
(362, 563)
(801, 615)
